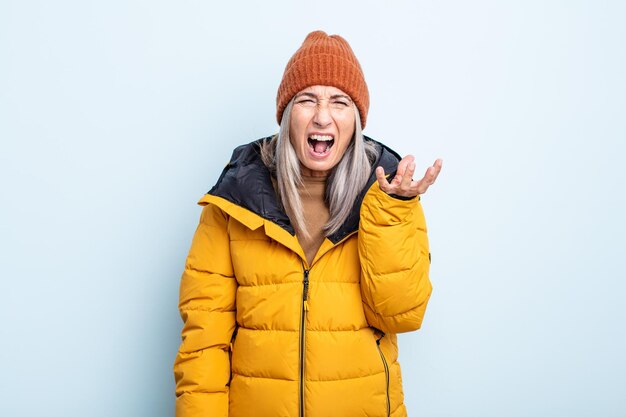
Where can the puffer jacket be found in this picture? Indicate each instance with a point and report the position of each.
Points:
(266, 334)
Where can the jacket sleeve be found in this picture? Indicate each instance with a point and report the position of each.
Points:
(395, 261)
(207, 307)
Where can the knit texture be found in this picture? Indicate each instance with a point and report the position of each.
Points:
(324, 60)
(312, 194)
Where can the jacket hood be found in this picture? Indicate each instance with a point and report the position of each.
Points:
(247, 182)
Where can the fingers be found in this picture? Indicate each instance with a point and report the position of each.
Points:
(426, 181)
(438, 164)
(407, 177)
(401, 171)
(382, 181)
(403, 184)
(429, 177)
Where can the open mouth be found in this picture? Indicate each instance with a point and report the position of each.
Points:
(321, 144)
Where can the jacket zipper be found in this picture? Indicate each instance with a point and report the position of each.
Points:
(303, 313)
(382, 356)
(305, 308)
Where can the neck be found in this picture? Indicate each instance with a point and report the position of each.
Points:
(306, 172)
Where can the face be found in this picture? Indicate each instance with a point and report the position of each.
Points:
(321, 128)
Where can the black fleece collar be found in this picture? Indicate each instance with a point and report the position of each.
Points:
(247, 182)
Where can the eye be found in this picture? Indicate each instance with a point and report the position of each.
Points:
(340, 104)
(307, 102)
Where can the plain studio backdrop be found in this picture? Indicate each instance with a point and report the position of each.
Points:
(117, 116)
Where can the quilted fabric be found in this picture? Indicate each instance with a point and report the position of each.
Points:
(266, 335)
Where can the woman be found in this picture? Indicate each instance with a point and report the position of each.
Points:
(307, 261)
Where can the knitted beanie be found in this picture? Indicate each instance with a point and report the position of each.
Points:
(324, 60)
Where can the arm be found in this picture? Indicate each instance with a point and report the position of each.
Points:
(207, 307)
(394, 256)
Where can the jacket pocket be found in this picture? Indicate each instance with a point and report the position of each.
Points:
(386, 366)
(230, 352)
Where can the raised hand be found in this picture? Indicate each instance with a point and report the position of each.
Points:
(403, 184)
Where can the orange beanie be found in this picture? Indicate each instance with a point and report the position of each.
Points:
(324, 60)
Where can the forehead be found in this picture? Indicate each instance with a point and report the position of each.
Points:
(323, 91)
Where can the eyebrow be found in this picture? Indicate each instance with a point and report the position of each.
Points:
(315, 96)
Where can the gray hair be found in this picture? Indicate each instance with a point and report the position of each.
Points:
(344, 184)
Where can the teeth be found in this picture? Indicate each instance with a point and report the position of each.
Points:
(324, 138)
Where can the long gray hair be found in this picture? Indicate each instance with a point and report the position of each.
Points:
(343, 185)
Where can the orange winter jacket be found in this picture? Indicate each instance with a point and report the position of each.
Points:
(267, 335)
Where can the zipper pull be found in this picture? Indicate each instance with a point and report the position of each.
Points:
(305, 291)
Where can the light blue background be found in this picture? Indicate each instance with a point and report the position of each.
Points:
(116, 116)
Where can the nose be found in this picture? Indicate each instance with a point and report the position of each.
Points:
(322, 117)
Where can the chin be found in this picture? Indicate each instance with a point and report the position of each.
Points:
(317, 168)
